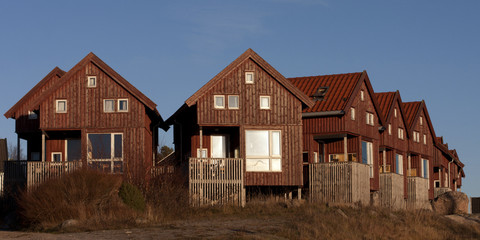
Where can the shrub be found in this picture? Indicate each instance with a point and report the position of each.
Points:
(132, 196)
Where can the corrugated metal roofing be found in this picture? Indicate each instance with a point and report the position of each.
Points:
(385, 102)
(340, 89)
(411, 109)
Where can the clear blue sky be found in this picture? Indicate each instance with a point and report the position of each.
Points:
(426, 49)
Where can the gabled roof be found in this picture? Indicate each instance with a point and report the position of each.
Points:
(250, 54)
(412, 113)
(110, 72)
(342, 88)
(56, 72)
(386, 101)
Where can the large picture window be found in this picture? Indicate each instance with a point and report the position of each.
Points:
(263, 150)
(399, 164)
(105, 151)
(367, 155)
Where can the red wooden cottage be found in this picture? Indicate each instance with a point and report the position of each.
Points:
(91, 115)
(244, 124)
(393, 151)
(341, 133)
(447, 169)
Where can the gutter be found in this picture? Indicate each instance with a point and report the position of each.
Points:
(323, 114)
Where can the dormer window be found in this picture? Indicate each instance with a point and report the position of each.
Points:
(249, 77)
(32, 115)
(320, 93)
(92, 81)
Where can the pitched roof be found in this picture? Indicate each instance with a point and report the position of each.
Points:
(250, 54)
(385, 102)
(411, 110)
(56, 72)
(109, 71)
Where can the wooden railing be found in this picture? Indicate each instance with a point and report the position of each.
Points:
(417, 189)
(385, 169)
(340, 182)
(216, 181)
(392, 191)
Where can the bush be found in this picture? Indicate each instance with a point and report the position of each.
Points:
(132, 196)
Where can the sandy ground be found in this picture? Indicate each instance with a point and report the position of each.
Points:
(211, 229)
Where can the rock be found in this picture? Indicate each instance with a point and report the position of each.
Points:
(70, 223)
(451, 203)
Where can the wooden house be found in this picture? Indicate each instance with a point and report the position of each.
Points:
(341, 136)
(393, 151)
(447, 169)
(88, 116)
(246, 125)
(420, 154)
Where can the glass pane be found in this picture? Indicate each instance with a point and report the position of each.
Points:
(256, 143)
(109, 106)
(276, 165)
(276, 143)
(99, 146)
(257, 165)
(57, 157)
(219, 101)
(118, 150)
(218, 147)
(249, 77)
(123, 105)
(364, 153)
(233, 101)
(264, 102)
(61, 106)
(74, 150)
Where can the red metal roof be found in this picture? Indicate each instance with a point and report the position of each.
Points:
(411, 109)
(340, 89)
(385, 102)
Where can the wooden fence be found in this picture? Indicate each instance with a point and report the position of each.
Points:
(417, 193)
(339, 182)
(439, 191)
(216, 181)
(392, 191)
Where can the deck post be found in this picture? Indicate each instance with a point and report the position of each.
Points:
(299, 195)
(18, 147)
(384, 159)
(409, 164)
(43, 146)
(345, 149)
(201, 141)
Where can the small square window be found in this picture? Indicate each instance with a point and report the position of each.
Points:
(108, 105)
(352, 113)
(219, 101)
(123, 105)
(32, 115)
(264, 102)
(249, 77)
(92, 81)
(56, 156)
(233, 102)
(61, 106)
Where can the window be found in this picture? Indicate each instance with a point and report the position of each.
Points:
(219, 101)
(395, 112)
(436, 183)
(201, 153)
(399, 164)
(416, 136)
(91, 81)
(315, 157)
(263, 150)
(35, 156)
(400, 133)
(105, 146)
(233, 102)
(424, 139)
(389, 129)
(123, 105)
(56, 157)
(352, 113)
(370, 119)
(362, 95)
(421, 121)
(108, 105)
(61, 106)
(367, 155)
(32, 115)
(249, 77)
(264, 102)
(425, 168)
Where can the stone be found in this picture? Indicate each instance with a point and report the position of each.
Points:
(70, 223)
(451, 203)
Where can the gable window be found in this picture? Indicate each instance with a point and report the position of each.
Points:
(395, 112)
(399, 164)
(416, 136)
(400, 133)
(352, 113)
(362, 95)
(123, 105)
(219, 101)
(233, 102)
(91, 81)
(264, 102)
(421, 121)
(263, 150)
(249, 77)
(367, 155)
(61, 106)
(370, 118)
(56, 156)
(424, 139)
(389, 129)
(32, 115)
(108, 105)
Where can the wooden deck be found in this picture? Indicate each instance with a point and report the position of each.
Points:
(339, 182)
(417, 193)
(215, 181)
(392, 191)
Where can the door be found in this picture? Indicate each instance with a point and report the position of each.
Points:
(218, 146)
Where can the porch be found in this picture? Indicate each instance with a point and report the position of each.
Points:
(339, 182)
(392, 190)
(417, 189)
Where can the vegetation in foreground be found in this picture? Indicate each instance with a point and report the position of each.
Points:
(93, 200)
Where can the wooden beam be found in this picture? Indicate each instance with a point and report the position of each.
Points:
(345, 149)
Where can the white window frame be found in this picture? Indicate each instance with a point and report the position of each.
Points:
(204, 152)
(56, 106)
(215, 101)
(112, 148)
(238, 102)
(251, 80)
(416, 136)
(400, 160)
(362, 95)
(395, 112)
(352, 113)
(400, 133)
(32, 115)
(389, 129)
(56, 153)
(435, 184)
(105, 105)
(423, 168)
(89, 83)
(118, 104)
(421, 120)
(425, 139)
(315, 157)
(269, 103)
(271, 157)
(370, 119)
(369, 157)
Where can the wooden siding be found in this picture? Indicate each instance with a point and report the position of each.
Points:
(392, 191)
(346, 182)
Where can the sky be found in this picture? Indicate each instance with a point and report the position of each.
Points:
(168, 49)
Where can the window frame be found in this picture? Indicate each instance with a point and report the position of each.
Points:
(238, 102)
(112, 147)
(395, 112)
(88, 81)
(399, 164)
(53, 159)
(401, 133)
(370, 119)
(269, 102)
(215, 106)
(352, 113)
(421, 120)
(247, 73)
(369, 156)
(105, 105)
(362, 95)
(271, 156)
(425, 139)
(118, 104)
(56, 106)
(202, 150)
(389, 129)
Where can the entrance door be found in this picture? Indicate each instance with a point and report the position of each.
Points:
(218, 146)
(74, 149)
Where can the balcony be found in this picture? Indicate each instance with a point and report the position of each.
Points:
(392, 191)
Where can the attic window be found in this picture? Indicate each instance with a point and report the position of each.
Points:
(92, 81)
(320, 93)
(61, 106)
(362, 95)
(249, 77)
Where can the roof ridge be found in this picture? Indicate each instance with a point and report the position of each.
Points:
(336, 74)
